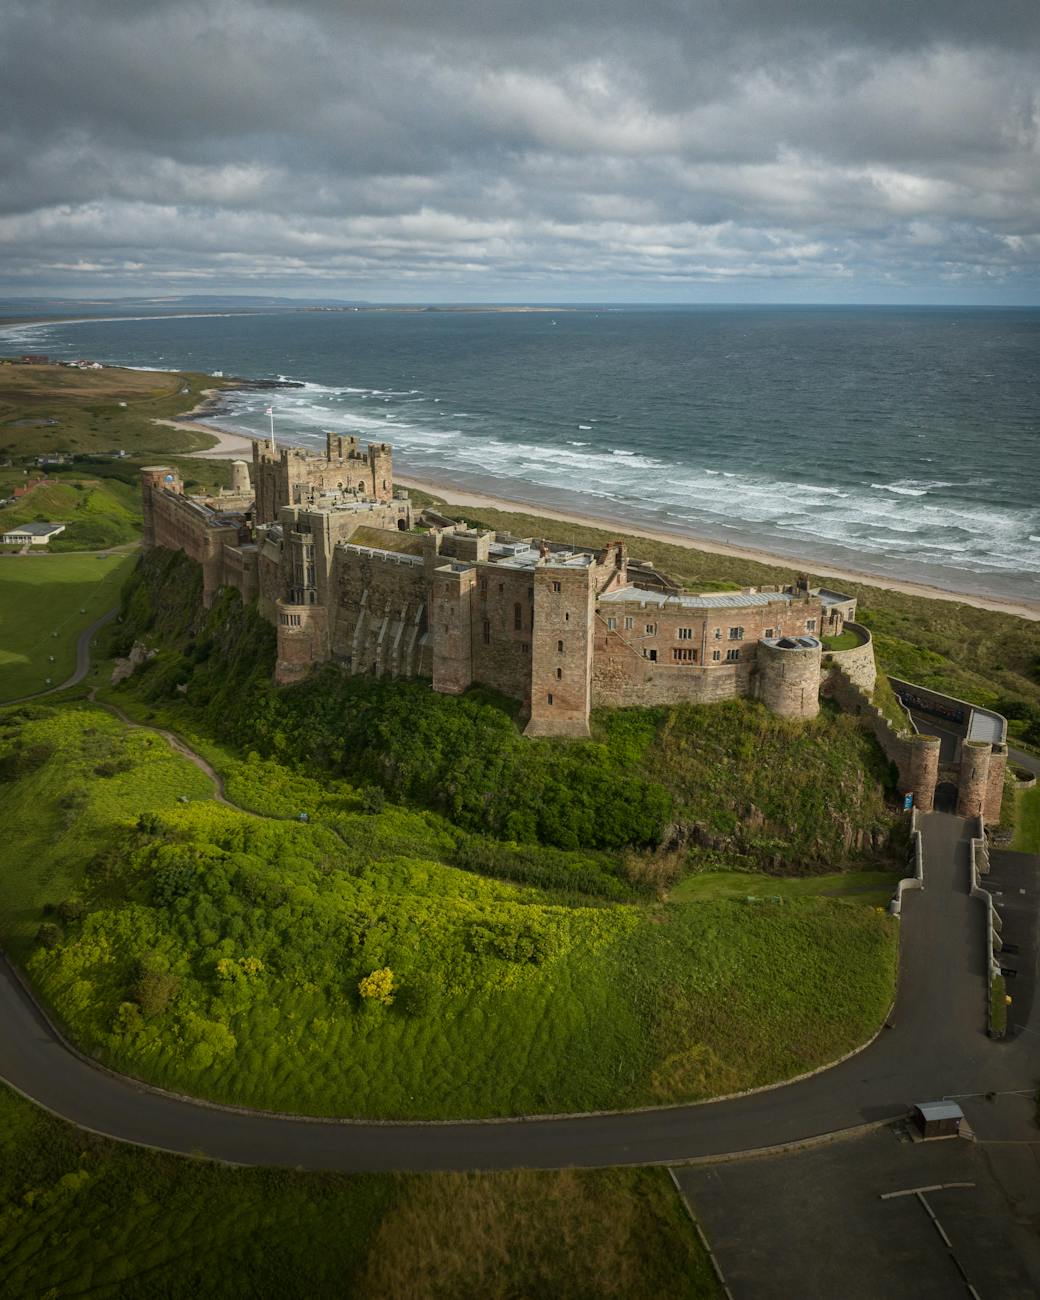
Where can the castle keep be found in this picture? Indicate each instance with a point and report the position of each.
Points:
(336, 561)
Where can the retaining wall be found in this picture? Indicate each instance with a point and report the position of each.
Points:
(915, 881)
(994, 923)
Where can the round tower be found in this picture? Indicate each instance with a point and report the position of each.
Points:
(240, 478)
(922, 774)
(973, 781)
(155, 478)
(789, 675)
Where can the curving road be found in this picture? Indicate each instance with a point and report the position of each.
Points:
(936, 1047)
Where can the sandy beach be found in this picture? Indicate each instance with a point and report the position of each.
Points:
(240, 446)
(229, 446)
(452, 496)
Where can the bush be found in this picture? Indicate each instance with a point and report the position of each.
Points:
(155, 990)
(372, 799)
(49, 935)
(378, 987)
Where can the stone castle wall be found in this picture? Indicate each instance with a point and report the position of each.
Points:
(858, 664)
(915, 757)
(378, 612)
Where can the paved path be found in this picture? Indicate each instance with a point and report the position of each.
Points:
(82, 660)
(936, 1047)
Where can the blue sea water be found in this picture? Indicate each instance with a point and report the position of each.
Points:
(900, 441)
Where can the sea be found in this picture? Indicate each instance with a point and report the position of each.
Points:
(903, 442)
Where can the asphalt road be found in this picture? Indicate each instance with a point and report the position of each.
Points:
(937, 1047)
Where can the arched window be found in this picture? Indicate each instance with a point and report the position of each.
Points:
(559, 673)
(559, 647)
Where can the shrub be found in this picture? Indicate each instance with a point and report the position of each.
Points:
(155, 990)
(71, 909)
(49, 935)
(378, 986)
(372, 799)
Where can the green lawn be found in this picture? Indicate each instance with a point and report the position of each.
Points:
(872, 888)
(44, 594)
(81, 1215)
(221, 954)
(846, 641)
(1027, 821)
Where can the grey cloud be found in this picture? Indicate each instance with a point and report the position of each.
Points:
(461, 145)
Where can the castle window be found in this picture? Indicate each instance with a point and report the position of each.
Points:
(732, 656)
(685, 633)
(559, 673)
(684, 656)
(556, 586)
(736, 634)
(769, 633)
(361, 487)
(550, 697)
(612, 624)
(501, 588)
(559, 647)
(810, 625)
(651, 629)
(525, 647)
(652, 656)
(717, 634)
(629, 623)
(716, 655)
(518, 617)
(567, 616)
(487, 632)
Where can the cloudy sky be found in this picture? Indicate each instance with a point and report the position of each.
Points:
(639, 150)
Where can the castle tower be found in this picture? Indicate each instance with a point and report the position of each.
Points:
(922, 771)
(240, 478)
(561, 651)
(451, 629)
(789, 675)
(973, 780)
(381, 462)
(156, 478)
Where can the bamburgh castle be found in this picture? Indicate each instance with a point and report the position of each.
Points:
(335, 560)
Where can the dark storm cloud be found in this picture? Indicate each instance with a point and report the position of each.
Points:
(464, 148)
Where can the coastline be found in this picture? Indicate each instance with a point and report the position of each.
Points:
(452, 496)
(239, 445)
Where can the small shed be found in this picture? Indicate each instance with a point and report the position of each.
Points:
(938, 1119)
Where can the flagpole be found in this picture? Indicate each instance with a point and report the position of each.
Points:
(270, 412)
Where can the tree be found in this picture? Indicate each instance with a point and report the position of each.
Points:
(379, 986)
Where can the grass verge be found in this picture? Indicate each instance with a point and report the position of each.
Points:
(1027, 821)
(80, 1214)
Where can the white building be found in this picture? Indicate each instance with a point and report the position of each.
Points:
(31, 534)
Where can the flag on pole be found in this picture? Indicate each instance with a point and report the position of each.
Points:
(269, 410)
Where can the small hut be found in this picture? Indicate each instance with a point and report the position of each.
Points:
(937, 1119)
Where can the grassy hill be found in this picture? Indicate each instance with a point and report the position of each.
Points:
(99, 513)
(226, 954)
